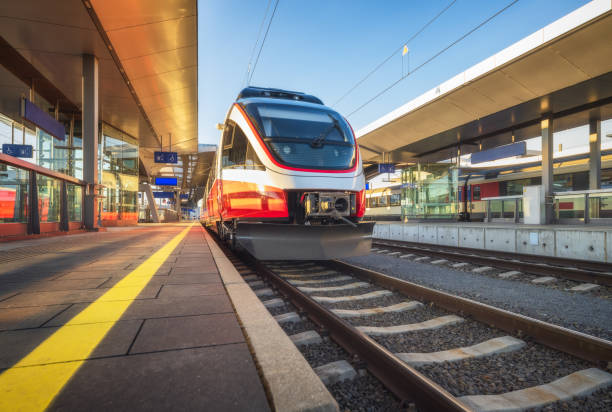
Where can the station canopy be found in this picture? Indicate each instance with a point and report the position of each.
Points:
(147, 52)
(563, 70)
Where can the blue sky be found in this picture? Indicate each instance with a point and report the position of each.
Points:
(325, 47)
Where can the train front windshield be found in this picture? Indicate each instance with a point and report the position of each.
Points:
(304, 137)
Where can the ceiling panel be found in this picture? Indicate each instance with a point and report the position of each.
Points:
(156, 44)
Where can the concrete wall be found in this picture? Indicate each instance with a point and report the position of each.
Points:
(574, 242)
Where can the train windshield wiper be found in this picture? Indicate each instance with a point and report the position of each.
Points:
(318, 141)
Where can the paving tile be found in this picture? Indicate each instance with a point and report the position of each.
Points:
(175, 291)
(155, 308)
(32, 317)
(220, 378)
(177, 279)
(187, 332)
(194, 270)
(53, 285)
(14, 345)
(70, 296)
(92, 274)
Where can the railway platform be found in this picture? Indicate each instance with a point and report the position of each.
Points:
(135, 319)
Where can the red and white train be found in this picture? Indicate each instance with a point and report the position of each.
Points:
(287, 181)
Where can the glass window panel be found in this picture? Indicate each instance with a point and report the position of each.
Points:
(48, 199)
(75, 198)
(6, 131)
(13, 194)
(569, 207)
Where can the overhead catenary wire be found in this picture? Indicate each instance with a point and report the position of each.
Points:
(433, 57)
(263, 20)
(367, 76)
(263, 41)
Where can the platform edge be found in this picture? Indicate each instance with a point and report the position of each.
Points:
(289, 380)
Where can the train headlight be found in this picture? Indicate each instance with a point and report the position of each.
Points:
(287, 150)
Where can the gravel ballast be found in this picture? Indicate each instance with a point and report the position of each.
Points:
(364, 394)
(323, 353)
(420, 314)
(581, 312)
(466, 333)
(531, 366)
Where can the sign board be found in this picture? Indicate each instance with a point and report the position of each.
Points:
(386, 168)
(367, 185)
(184, 195)
(166, 181)
(36, 115)
(18, 150)
(166, 157)
(501, 152)
(163, 195)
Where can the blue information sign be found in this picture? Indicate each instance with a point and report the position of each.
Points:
(166, 157)
(386, 168)
(38, 116)
(18, 150)
(184, 195)
(166, 181)
(163, 195)
(501, 152)
(367, 186)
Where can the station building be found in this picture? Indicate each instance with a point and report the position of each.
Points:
(89, 90)
(536, 114)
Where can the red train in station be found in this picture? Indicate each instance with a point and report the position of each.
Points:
(287, 181)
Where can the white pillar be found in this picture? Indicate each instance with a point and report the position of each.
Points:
(547, 167)
(90, 137)
(595, 154)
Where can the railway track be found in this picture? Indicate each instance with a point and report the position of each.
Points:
(576, 270)
(415, 339)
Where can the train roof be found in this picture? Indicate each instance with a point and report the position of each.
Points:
(266, 92)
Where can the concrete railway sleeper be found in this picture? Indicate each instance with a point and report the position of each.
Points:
(575, 270)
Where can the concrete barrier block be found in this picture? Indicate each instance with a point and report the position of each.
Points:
(396, 231)
(448, 235)
(581, 244)
(428, 234)
(500, 239)
(381, 230)
(471, 237)
(608, 246)
(535, 242)
(411, 232)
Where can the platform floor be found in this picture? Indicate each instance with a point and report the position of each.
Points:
(130, 319)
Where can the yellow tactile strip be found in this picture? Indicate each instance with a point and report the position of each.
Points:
(32, 383)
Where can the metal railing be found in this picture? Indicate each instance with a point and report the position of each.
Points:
(583, 206)
(33, 219)
(504, 208)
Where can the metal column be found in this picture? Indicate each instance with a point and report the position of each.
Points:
(595, 154)
(177, 195)
(33, 213)
(547, 168)
(90, 138)
(64, 217)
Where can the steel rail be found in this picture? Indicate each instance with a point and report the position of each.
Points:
(578, 344)
(400, 378)
(477, 257)
(551, 260)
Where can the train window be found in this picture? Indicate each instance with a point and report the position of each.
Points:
(476, 192)
(238, 153)
(304, 136)
(394, 199)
